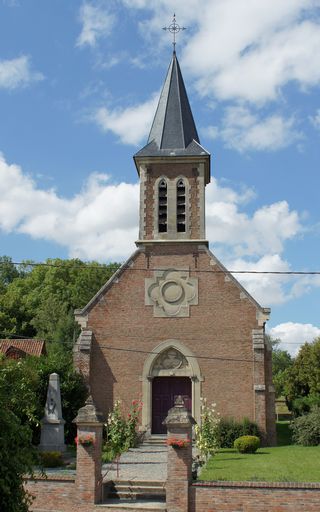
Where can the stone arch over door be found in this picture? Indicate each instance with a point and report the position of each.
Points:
(171, 358)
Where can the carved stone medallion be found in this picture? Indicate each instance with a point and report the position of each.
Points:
(171, 292)
(170, 359)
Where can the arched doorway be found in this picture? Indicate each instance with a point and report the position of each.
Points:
(169, 371)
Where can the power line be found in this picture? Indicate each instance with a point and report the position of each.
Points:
(126, 337)
(151, 269)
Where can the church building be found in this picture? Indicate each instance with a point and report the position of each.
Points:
(172, 320)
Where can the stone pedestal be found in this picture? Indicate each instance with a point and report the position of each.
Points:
(179, 468)
(52, 424)
(89, 463)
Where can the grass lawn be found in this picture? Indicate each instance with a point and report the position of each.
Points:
(284, 463)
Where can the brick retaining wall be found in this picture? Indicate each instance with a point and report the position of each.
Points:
(254, 497)
(53, 493)
(58, 494)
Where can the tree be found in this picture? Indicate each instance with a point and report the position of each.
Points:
(302, 387)
(17, 457)
(17, 414)
(40, 300)
(8, 272)
(281, 361)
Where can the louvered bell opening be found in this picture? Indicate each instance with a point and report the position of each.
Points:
(181, 207)
(162, 207)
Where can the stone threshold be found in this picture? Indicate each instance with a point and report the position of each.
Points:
(133, 505)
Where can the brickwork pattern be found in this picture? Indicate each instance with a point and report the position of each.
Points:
(88, 478)
(54, 495)
(254, 497)
(178, 473)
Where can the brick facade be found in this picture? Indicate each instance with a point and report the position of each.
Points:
(219, 332)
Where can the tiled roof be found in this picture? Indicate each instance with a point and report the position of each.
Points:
(28, 346)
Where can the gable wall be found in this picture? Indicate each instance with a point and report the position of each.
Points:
(219, 326)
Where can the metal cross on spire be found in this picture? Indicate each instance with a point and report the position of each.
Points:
(174, 29)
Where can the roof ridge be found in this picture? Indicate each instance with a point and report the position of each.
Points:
(179, 93)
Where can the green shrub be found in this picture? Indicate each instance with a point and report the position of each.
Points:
(230, 429)
(306, 429)
(51, 459)
(247, 444)
(121, 432)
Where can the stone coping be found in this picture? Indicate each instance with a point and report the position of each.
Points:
(50, 477)
(259, 485)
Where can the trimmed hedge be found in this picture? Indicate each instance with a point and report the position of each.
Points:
(247, 444)
(229, 429)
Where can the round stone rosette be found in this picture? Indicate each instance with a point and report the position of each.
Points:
(172, 292)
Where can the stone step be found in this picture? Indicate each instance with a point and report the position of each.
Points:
(122, 490)
(134, 496)
(137, 483)
(129, 505)
(158, 440)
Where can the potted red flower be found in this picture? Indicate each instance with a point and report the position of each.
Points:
(177, 442)
(85, 440)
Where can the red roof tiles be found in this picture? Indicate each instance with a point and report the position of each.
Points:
(27, 346)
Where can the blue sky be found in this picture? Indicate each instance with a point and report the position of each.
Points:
(79, 83)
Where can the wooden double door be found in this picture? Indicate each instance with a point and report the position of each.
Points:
(164, 392)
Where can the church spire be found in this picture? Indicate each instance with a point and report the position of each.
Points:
(173, 126)
(173, 131)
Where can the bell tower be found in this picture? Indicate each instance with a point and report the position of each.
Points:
(174, 169)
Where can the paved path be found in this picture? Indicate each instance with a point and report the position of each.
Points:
(142, 463)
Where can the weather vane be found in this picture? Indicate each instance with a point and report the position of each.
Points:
(174, 29)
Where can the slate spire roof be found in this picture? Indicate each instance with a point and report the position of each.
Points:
(173, 131)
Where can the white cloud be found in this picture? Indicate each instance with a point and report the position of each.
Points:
(17, 73)
(98, 223)
(262, 233)
(267, 289)
(101, 222)
(293, 335)
(255, 242)
(96, 21)
(256, 47)
(315, 120)
(242, 130)
(256, 50)
(131, 124)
